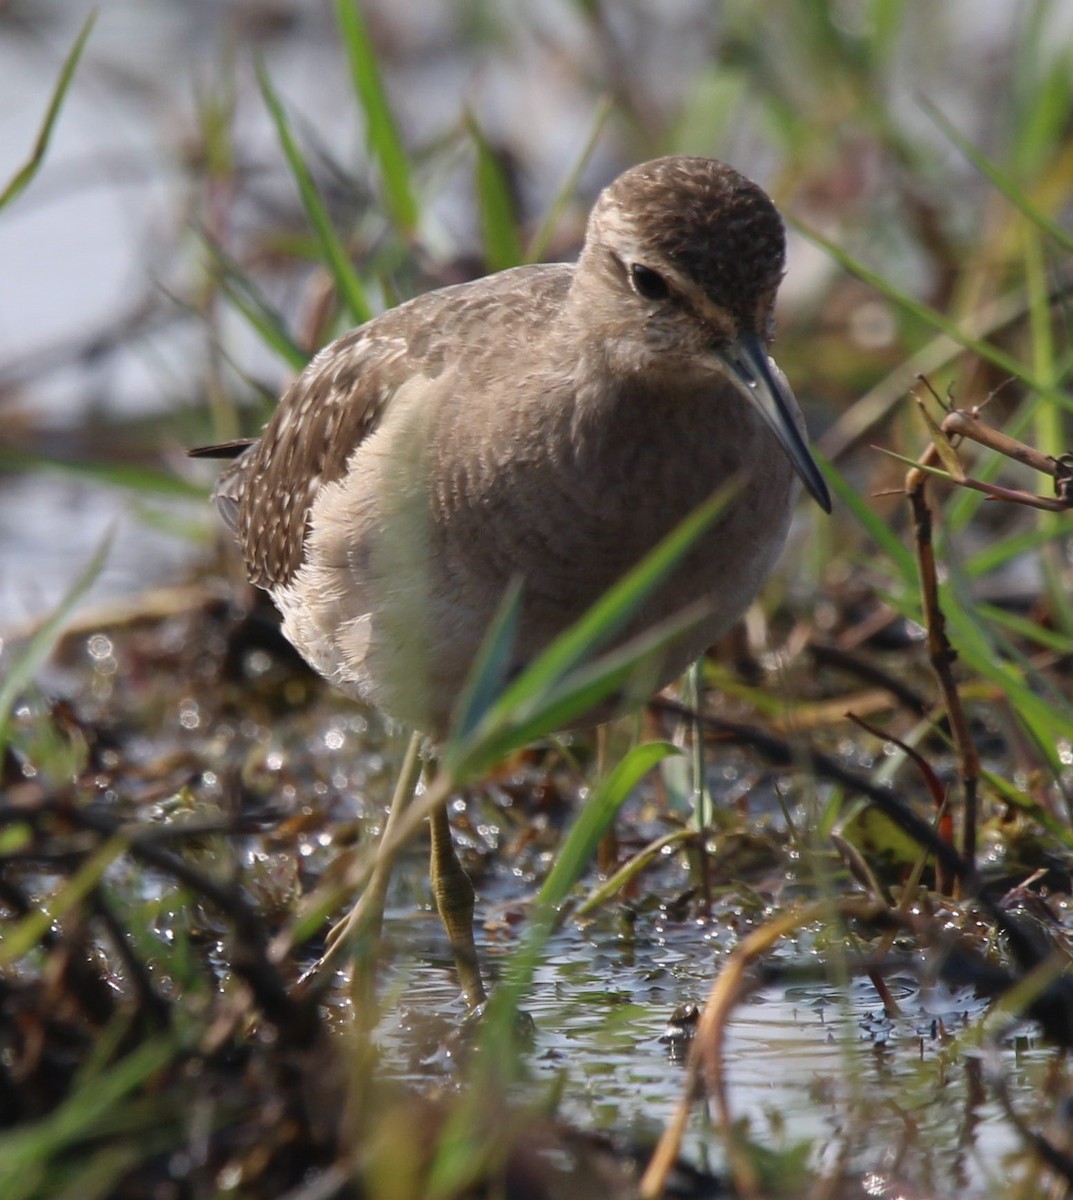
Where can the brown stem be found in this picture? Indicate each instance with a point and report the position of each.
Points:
(942, 654)
(964, 422)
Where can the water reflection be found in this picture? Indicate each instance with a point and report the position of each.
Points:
(805, 1062)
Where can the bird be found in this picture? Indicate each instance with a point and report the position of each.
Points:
(541, 427)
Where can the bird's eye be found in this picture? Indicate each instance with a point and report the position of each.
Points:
(648, 283)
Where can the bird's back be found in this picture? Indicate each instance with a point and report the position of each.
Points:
(266, 496)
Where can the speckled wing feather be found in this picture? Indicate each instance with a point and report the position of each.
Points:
(331, 407)
(266, 495)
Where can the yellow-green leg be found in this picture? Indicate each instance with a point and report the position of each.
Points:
(359, 932)
(455, 901)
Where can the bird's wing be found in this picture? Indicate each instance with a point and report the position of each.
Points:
(266, 494)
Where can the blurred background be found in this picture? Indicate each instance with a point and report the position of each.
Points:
(165, 200)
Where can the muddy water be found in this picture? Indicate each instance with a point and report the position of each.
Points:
(806, 1062)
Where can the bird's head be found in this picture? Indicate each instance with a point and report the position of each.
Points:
(682, 262)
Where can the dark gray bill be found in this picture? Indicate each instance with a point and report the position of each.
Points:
(747, 362)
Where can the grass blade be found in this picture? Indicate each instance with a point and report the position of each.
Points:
(143, 481)
(465, 1141)
(627, 673)
(28, 1151)
(574, 855)
(499, 225)
(334, 253)
(538, 246)
(1026, 629)
(25, 174)
(932, 317)
(248, 300)
(542, 689)
(492, 665)
(1037, 706)
(382, 132)
(992, 557)
(1000, 179)
(873, 525)
(20, 937)
(41, 645)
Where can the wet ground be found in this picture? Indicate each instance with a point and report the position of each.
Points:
(191, 718)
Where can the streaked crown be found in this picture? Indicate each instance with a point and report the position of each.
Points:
(716, 228)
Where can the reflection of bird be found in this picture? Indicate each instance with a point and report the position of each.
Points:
(547, 424)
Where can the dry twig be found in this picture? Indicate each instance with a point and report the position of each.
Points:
(940, 458)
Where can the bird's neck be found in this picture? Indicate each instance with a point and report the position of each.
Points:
(617, 387)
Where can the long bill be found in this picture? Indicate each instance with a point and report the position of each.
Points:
(750, 370)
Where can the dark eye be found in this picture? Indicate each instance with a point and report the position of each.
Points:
(649, 283)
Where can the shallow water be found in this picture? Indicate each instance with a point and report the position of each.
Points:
(811, 1061)
(805, 1062)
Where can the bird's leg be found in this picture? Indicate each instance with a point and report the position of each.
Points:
(359, 931)
(702, 799)
(455, 900)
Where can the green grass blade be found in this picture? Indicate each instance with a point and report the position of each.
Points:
(25, 174)
(21, 936)
(248, 300)
(537, 687)
(538, 246)
(612, 611)
(1014, 797)
(606, 891)
(382, 132)
(1000, 179)
(267, 324)
(27, 663)
(997, 555)
(1045, 715)
(28, 1151)
(592, 823)
(463, 1147)
(1050, 422)
(499, 226)
(924, 468)
(932, 317)
(628, 673)
(347, 281)
(876, 528)
(1026, 629)
(574, 855)
(143, 481)
(490, 670)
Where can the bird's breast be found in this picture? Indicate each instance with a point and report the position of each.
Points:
(571, 509)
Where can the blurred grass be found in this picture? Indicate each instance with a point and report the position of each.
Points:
(348, 283)
(927, 252)
(25, 175)
(24, 666)
(383, 138)
(499, 717)
(500, 236)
